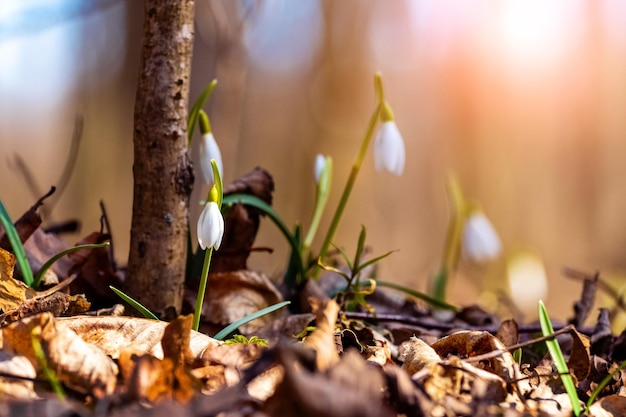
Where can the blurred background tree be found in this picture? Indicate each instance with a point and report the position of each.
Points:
(522, 99)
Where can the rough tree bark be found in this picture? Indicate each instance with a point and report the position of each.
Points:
(162, 171)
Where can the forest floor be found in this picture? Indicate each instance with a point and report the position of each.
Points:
(70, 350)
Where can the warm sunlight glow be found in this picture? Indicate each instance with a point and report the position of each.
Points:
(535, 32)
(527, 278)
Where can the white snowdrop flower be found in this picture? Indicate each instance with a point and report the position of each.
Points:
(210, 226)
(389, 149)
(480, 239)
(320, 164)
(209, 150)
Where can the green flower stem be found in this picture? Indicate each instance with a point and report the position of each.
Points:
(216, 194)
(321, 198)
(192, 119)
(452, 247)
(202, 288)
(356, 166)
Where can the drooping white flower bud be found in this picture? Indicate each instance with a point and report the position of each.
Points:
(480, 239)
(208, 150)
(210, 226)
(389, 151)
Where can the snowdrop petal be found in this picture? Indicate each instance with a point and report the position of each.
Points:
(320, 164)
(480, 239)
(209, 150)
(389, 153)
(210, 226)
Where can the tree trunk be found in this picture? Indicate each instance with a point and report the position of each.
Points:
(162, 171)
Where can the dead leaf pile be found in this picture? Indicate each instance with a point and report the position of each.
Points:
(404, 360)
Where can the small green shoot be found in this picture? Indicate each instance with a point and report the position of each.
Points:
(49, 373)
(39, 275)
(18, 247)
(240, 339)
(559, 360)
(247, 319)
(355, 292)
(607, 379)
(134, 304)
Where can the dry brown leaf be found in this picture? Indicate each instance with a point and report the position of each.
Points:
(417, 355)
(609, 406)
(234, 295)
(80, 365)
(95, 272)
(57, 303)
(12, 292)
(580, 358)
(176, 339)
(143, 335)
(351, 388)
(466, 344)
(322, 340)
(25, 225)
(237, 355)
(151, 380)
(455, 380)
(508, 332)
(42, 246)
(20, 367)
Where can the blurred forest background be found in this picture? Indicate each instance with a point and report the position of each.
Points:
(522, 99)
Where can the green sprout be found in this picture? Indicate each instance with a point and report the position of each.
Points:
(134, 304)
(607, 379)
(240, 339)
(16, 243)
(559, 360)
(355, 292)
(247, 319)
(51, 376)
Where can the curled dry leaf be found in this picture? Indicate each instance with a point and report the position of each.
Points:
(144, 335)
(80, 365)
(12, 292)
(466, 344)
(322, 340)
